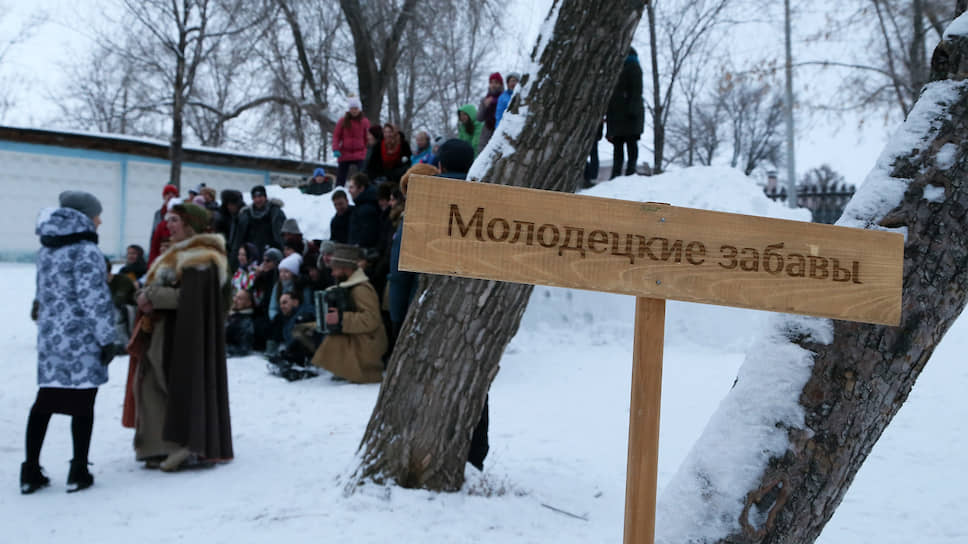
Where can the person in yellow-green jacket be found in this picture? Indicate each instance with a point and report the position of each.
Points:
(468, 127)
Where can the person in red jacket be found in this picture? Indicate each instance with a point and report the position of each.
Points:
(349, 140)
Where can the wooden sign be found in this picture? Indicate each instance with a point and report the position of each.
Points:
(655, 252)
(487, 231)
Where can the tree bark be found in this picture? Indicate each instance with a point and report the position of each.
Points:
(861, 379)
(456, 331)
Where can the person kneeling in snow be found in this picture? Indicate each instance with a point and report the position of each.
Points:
(291, 361)
(355, 352)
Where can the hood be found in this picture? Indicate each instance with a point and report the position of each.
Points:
(470, 110)
(54, 222)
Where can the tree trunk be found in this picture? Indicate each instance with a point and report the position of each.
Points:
(175, 152)
(456, 331)
(960, 7)
(860, 379)
(374, 78)
(658, 128)
(918, 54)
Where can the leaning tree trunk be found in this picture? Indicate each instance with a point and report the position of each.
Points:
(858, 375)
(456, 330)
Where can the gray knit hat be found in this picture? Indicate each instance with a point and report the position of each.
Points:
(81, 201)
(515, 75)
(272, 254)
(290, 226)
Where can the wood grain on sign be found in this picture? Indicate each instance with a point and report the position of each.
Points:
(651, 250)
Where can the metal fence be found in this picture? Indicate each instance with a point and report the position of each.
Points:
(825, 202)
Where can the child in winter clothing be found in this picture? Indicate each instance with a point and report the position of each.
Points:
(240, 326)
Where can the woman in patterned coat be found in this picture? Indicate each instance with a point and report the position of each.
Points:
(75, 333)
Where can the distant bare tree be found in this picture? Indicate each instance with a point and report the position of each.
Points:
(377, 37)
(822, 176)
(104, 93)
(678, 31)
(754, 113)
(170, 41)
(7, 45)
(889, 72)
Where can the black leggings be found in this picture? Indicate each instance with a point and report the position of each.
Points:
(344, 171)
(77, 403)
(633, 147)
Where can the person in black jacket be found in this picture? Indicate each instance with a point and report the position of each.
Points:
(365, 221)
(261, 223)
(626, 115)
(339, 225)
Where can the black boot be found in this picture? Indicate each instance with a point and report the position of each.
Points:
(32, 478)
(79, 478)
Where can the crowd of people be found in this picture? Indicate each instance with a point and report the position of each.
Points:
(225, 278)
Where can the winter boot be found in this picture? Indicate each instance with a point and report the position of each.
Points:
(79, 478)
(175, 460)
(32, 478)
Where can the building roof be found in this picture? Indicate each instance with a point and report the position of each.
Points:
(147, 147)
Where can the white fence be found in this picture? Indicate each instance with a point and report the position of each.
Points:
(129, 187)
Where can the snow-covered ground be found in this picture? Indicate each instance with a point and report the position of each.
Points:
(559, 416)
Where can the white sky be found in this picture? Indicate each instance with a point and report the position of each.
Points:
(34, 69)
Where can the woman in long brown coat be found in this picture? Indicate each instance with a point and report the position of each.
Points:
(178, 402)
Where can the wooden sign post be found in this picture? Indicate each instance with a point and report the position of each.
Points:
(654, 252)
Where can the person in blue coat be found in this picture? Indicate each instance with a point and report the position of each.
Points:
(512, 80)
(75, 333)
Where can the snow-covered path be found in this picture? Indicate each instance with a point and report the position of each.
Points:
(558, 434)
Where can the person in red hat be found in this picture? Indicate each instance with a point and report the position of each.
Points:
(487, 111)
(159, 230)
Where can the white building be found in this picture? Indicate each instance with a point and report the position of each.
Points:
(126, 174)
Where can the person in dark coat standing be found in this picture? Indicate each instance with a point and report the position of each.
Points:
(75, 333)
(339, 225)
(365, 220)
(625, 118)
(227, 219)
(177, 393)
(261, 223)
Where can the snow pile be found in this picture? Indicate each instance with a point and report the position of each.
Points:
(313, 213)
(958, 27)
(705, 498)
(946, 156)
(599, 317)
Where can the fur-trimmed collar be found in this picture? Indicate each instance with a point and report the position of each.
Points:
(201, 250)
(358, 277)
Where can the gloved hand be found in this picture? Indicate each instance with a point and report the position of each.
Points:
(107, 354)
(337, 154)
(35, 310)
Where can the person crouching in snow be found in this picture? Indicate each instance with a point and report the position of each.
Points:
(355, 353)
(177, 395)
(75, 333)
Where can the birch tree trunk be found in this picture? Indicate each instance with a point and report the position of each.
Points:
(456, 331)
(860, 379)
